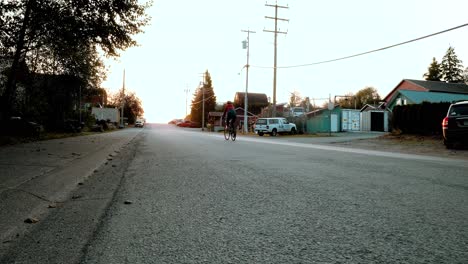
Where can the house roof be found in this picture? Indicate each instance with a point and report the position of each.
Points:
(418, 97)
(215, 113)
(238, 110)
(254, 98)
(241, 110)
(428, 86)
(434, 86)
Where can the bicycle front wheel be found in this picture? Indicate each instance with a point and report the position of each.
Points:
(226, 132)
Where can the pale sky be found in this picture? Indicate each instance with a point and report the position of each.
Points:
(185, 38)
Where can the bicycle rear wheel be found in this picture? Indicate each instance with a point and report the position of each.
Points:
(226, 132)
(233, 134)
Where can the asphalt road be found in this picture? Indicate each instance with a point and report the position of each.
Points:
(180, 196)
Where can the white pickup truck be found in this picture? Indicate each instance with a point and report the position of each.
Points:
(273, 126)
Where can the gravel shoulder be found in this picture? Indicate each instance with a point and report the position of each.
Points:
(410, 144)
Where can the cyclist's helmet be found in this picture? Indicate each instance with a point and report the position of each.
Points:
(229, 102)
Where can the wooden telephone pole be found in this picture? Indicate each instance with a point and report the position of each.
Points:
(276, 32)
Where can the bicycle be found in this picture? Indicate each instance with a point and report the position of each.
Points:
(229, 131)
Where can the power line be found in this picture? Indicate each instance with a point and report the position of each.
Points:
(367, 52)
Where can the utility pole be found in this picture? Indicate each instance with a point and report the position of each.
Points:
(203, 103)
(186, 90)
(276, 31)
(246, 100)
(123, 102)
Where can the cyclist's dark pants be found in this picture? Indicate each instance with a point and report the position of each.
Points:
(231, 117)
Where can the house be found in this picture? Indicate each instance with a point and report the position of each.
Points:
(281, 108)
(214, 119)
(417, 91)
(255, 101)
(405, 97)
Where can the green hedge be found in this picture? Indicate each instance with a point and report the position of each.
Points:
(425, 118)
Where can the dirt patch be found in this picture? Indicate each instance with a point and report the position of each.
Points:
(411, 144)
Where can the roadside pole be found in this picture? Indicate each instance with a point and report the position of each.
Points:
(246, 100)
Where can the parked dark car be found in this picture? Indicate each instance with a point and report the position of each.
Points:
(17, 126)
(455, 124)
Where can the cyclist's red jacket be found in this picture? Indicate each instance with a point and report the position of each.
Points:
(227, 108)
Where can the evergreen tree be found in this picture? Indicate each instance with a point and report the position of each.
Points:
(433, 72)
(196, 112)
(465, 75)
(451, 67)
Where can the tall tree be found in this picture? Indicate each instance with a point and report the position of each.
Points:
(433, 71)
(306, 104)
(349, 101)
(465, 75)
(295, 99)
(451, 67)
(368, 95)
(209, 102)
(63, 37)
(133, 107)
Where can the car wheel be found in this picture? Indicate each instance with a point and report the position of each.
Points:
(293, 131)
(260, 134)
(274, 132)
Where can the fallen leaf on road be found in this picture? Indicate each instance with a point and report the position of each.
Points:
(31, 220)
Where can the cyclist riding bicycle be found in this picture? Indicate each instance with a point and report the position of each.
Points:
(231, 113)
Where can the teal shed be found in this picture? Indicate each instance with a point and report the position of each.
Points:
(324, 120)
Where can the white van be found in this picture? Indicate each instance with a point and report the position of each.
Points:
(297, 111)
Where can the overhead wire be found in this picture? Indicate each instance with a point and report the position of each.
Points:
(363, 53)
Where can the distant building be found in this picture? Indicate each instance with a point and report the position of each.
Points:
(256, 101)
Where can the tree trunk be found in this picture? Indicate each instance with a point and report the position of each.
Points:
(8, 96)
